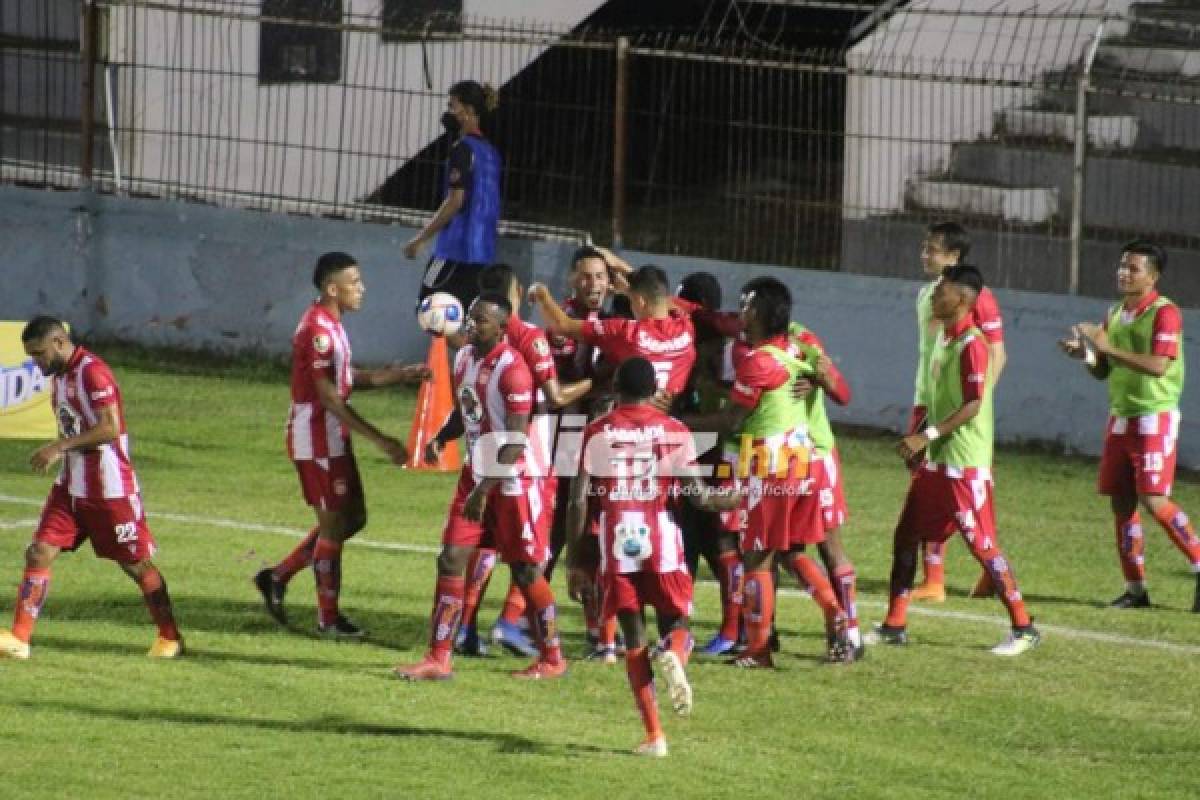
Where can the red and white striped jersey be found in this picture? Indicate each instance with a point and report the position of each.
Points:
(633, 455)
(530, 341)
(486, 390)
(84, 388)
(320, 347)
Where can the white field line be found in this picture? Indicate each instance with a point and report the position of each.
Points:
(1063, 631)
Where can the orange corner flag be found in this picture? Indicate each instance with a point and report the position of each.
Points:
(435, 402)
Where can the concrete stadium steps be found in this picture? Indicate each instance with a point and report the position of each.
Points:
(1166, 23)
(1124, 189)
(1108, 132)
(1026, 205)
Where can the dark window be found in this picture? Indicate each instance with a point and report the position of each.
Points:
(300, 53)
(406, 20)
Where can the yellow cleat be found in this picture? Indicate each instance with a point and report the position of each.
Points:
(166, 648)
(12, 647)
(930, 593)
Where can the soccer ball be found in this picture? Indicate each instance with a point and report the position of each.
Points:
(440, 314)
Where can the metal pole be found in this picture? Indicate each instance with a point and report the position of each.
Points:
(87, 122)
(1081, 138)
(110, 113)
(621, 103)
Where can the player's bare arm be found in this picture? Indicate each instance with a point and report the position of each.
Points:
(106, 429)
(618, 269)
(1145, 363)
(395, 450)
(391, 375)
(455, 199)
(997, 357)
(559, 395)
(558, 322)
(914, 443)
(710, 498)
(514, 424)
(1078, 347)
(579, 579)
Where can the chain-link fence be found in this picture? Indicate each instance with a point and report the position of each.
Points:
(825, 136)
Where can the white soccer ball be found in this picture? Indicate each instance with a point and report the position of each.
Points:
(440, 313)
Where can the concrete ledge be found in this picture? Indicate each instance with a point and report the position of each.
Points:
(1023, 205)
(1179, 61)
(1110, 132)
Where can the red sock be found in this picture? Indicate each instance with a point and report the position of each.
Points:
(1002, 578)
(296, 560)
(845, 586)
(679, 641)
(447, 611)
(539, 598)
(1131, 548)
(327, 566)
(897, 613)
(933, 555)
(154, 589)
(479, 572)
(514, 604)
(637, 667)
(758, 611)
(35, 585)
(1179, 528)
(813, 579)
(731, 576)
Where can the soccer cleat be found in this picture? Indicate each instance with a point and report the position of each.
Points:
(839, 649)
(12, 647)
(166, 648)
(930, 593)
(605, 654)
(341, 628)
(1021, 640)
(468, 643)
(718, 646)
(654, 748)
(427, 669)
(750, 661)
(773, 640)
(540, 670)
(886, 634)
(1131, 600)
(984, 587)
(513, 639)
(678, 688)
(1196, 597)
(272, 594)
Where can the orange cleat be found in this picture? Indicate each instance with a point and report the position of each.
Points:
(166, 648)
(429, 669)
(930, 593)
(540, 669)
(12, 647)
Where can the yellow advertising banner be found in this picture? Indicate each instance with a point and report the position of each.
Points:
(25, 411)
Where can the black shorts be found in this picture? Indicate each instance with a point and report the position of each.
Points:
(459, 278)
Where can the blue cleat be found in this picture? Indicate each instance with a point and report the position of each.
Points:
(513, 639)
(718, 646)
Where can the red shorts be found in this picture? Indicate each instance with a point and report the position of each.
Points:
(330, 484)
(116, 526)
(783, 512)
(834, 512)
(516, 525)
(669, 593)
(939, 505)
(1139, 455)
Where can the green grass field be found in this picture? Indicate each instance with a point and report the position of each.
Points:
(1105, 708)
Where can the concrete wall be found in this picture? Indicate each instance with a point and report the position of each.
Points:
(194, 276)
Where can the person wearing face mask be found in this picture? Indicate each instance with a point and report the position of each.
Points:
(464, 227)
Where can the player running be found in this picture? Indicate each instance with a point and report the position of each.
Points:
(1139, 351)
(95, 495)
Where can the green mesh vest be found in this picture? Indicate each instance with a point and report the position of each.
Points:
(1131, 393)
(971, 444)
(778, 419)
(819, 429)
(927, 333)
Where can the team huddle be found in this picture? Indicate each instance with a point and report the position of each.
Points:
(630, 445)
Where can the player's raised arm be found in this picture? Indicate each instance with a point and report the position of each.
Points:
(1077, 346)
(558, 322)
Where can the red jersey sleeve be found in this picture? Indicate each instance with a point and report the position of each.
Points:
(609, 335)
(753, 375)
(316, 352)
(100, 386)
(1168, 330)
(516, 388)
(987, 316)
(535, 349)
(973, 367)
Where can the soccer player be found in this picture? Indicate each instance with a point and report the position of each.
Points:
(465, 223)
(496, 497)
(946, 244)
(319, 425)
(951, 489)
(530, 341)
(1139, 351)
(96, 494)
(634, 458)
(781, 501)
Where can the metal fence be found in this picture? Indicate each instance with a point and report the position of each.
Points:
(819, 134)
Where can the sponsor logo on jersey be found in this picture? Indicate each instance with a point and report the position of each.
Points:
(322, 343)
